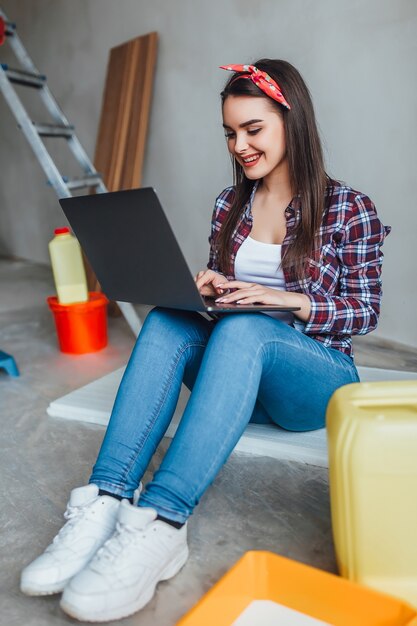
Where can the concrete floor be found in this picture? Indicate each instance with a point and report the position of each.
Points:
(255, 503)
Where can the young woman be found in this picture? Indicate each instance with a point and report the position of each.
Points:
(284, 234)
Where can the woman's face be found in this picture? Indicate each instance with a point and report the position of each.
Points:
(255, 135)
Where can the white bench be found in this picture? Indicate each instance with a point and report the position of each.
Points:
(93, 404)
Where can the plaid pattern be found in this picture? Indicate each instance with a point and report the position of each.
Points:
(344, 281)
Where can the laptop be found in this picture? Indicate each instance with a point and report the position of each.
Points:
(135, 255)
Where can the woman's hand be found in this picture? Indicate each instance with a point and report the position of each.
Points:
(252, 293)
(208, 283)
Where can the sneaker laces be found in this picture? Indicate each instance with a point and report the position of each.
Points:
(123, 537)
(73, 515)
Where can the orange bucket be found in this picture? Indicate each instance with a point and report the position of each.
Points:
(81, 327)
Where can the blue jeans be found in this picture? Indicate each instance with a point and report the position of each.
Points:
(243, 367)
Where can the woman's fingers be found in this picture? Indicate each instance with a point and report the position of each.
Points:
(242, 293)
(202, 279)
(236, 284)
(256, 294)
(210, 278)
(199, 275)
(242, 289)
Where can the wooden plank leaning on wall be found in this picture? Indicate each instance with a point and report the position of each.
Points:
(122, 131)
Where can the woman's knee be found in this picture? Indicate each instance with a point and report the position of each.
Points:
(163, 319)
(253, 329)
(161, 315)
(174, 327)
(235, 325)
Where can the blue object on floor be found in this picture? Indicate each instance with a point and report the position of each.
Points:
(8, 363)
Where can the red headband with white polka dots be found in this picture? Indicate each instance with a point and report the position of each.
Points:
(261, 80)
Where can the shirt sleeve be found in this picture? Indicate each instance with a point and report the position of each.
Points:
(355, 310)
(213, 257)
(221, 208)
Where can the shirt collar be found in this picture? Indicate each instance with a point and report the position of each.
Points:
(295, 204)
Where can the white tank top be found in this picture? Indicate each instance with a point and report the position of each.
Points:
(258, 262)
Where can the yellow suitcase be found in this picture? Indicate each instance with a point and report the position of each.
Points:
(372, 439)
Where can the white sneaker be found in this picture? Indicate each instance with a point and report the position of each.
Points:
(123, 575)
(91, 521)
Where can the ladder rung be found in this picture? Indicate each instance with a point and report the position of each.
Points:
(86, 181)
(24, 78)
(54, 130)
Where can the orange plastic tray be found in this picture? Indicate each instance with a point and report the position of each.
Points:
(318, 594)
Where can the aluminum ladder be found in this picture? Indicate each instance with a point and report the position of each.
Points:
(27, 75)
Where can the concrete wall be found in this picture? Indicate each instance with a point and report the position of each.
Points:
(358, 57)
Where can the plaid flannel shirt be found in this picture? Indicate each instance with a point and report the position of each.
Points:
(344, 283)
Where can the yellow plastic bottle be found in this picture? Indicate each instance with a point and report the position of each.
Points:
(67, 267)
(372, 438)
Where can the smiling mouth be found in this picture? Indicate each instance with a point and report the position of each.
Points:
(251, 160)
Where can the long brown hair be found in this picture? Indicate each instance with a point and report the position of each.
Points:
(305, 160)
